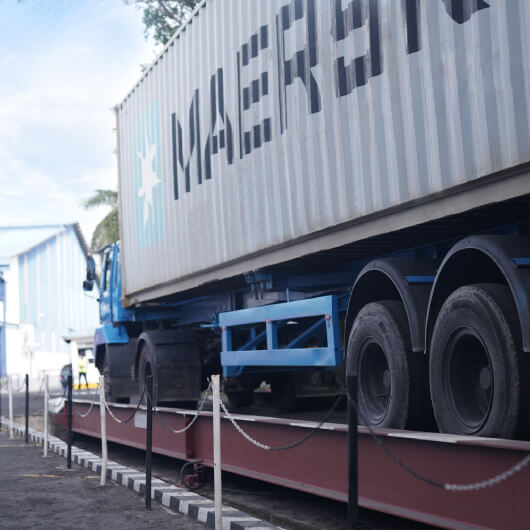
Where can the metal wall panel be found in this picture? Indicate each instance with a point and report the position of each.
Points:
(264, 123)
(50, 298)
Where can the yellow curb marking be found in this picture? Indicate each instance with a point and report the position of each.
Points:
(19, 445)
(92, 476)
(31, 475)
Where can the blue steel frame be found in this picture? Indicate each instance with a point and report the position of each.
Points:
(274, 317)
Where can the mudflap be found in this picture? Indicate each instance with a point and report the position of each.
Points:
(179, 372)
(177, 356)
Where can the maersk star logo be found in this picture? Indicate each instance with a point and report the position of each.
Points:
(149, 178)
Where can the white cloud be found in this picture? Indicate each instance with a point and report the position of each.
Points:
(57, 92)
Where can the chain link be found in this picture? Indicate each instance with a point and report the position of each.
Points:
(493, 481)
(85, 414)
(59, 398)
(196, 415)
(39, 391)
(20, 388)
(131, 416)
(442, 485)
(266, 447)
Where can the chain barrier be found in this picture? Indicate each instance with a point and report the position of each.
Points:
(20, 388)
(492, 481)
(34, 398)
(441, 485)
(304, 438)
(85, 414)
(131, 416)
(59, 398)
(194, 419)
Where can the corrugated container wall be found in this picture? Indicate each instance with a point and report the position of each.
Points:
(265, 123)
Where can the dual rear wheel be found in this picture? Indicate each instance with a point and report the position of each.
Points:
(392, 382)
(475, 358)
(476, 370)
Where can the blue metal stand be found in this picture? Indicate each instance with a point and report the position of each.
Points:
(270, 319)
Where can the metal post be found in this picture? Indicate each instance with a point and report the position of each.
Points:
(69, 426)
(26, 436)
(353, 468)
(46, 398)
(148, 443)
(104, 452)
(218, 488)
(3, 335)
(10, 396)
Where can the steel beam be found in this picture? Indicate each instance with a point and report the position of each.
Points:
(383, 484)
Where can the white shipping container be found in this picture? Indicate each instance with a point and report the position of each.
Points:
(268, 130)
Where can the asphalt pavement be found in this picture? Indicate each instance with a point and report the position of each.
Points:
(36, 400)
(38, 492)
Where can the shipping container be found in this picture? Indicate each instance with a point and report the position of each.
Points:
(270, 130)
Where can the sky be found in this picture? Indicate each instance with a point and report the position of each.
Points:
(64, 64)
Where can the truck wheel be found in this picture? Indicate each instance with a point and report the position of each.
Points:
(107, 380)
(391, 378)
(283, 391)
(241, 398)
(145, 369)
(473, 370)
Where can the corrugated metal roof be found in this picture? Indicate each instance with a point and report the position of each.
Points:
(16, 240)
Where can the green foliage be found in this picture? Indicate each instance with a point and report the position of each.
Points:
(163, 17)
(102, 198)
(108, 229)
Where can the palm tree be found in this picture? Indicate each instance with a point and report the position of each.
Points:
(107, 230)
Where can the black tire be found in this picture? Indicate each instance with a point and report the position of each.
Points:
(283, 391)
(107, 379)
(145, 369)
(392, 380)
(473, 368)
(240, 398)
(188, 405)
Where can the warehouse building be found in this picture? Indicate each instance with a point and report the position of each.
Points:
(42, 269)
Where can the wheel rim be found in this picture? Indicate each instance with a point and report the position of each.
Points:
(374, 382)
(468, 380)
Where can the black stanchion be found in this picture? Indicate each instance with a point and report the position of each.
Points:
(26, 435)
(69, 426)
(148, 443)
(353, 500)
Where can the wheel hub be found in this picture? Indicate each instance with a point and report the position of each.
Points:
(386, 379)
(374, 382)
(470, 380)
(485, 378)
